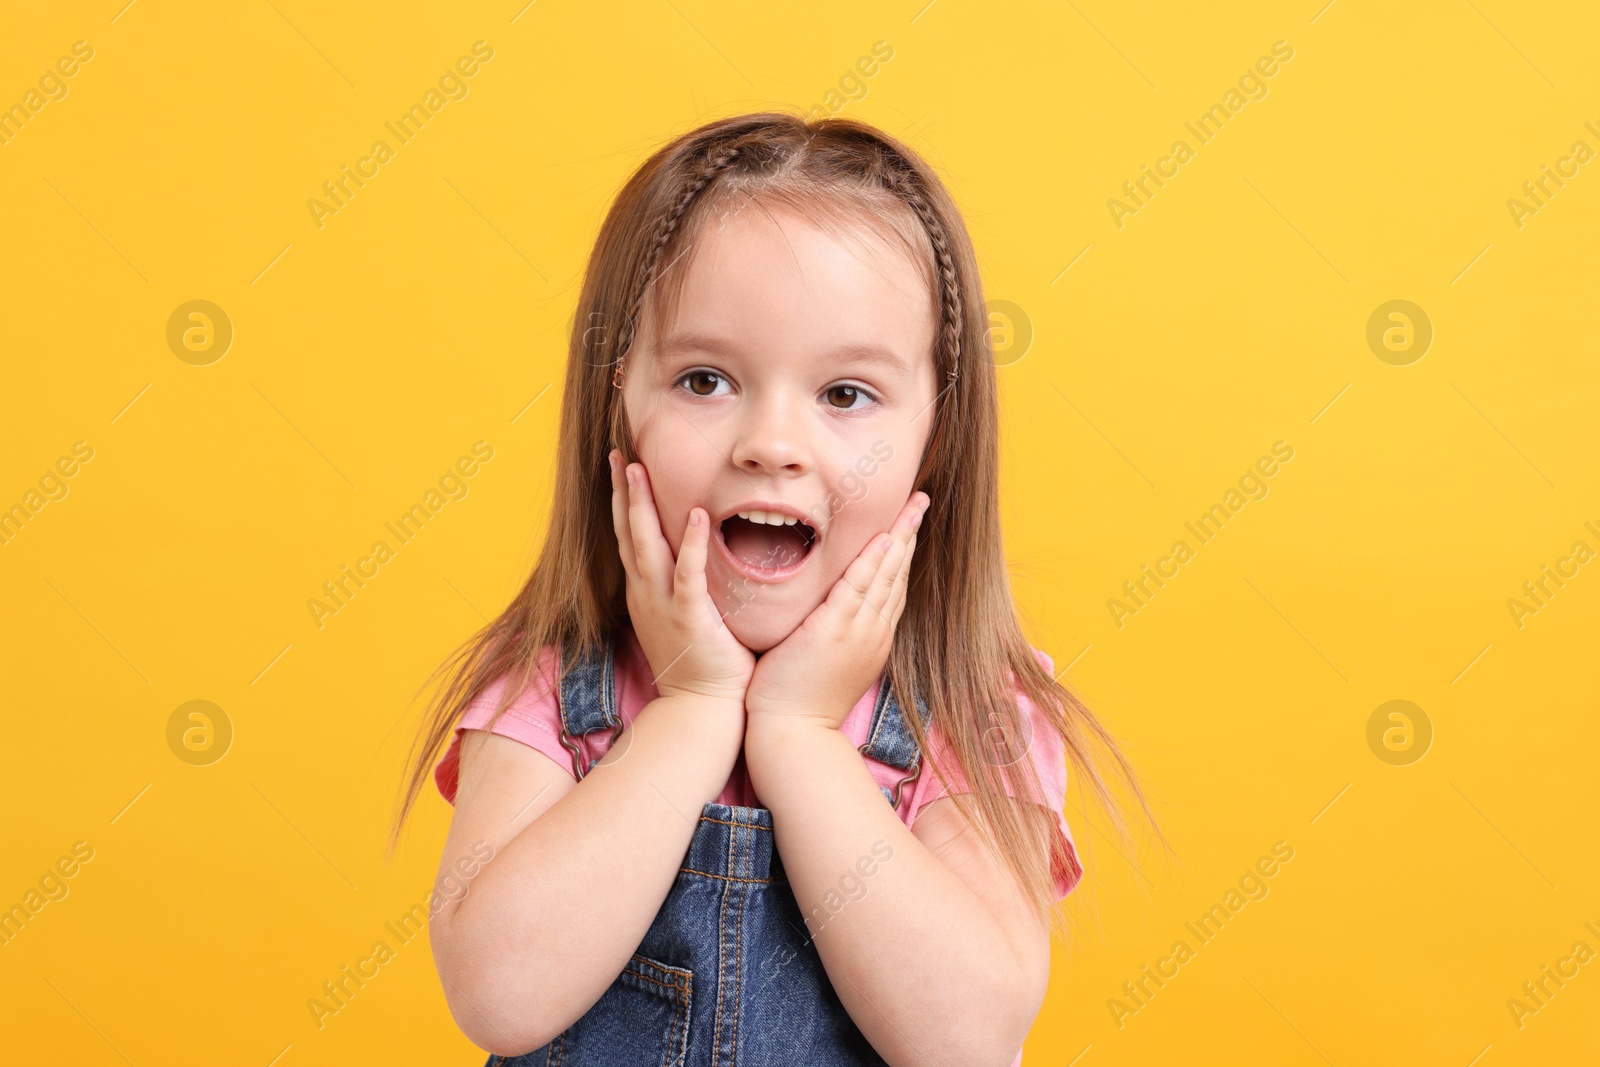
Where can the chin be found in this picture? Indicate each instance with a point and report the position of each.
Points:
(760, 630)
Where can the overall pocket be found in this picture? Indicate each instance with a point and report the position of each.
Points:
(642, 1019)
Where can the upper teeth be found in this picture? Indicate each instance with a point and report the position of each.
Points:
(771, 518)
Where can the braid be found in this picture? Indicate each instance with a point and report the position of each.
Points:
(949, 284)
(907, 184)
(665, 228)
(904, 180)
(901, 177)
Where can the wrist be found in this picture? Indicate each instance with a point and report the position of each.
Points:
(779, 732)
(728, 709)
(775, 742)
(819, 708)
(718, 725)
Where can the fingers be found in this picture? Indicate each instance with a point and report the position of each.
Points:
(646, 555)
(881, 587)
(651, 551)
(619, 514)
(856, 582)
(689, 577)
(897, 596)
(886, 583)
(876, 577)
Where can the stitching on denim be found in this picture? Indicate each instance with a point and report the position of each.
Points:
(722, 920)
(680, 975)
(673, 1054)
(738, 974)
(880, 711)
(567, 671)
(680, 1000)
(562, 667)
(725, 877)
(679, 983)
(726, 822)
(608, 687)
(646, 978)
(680, 1049)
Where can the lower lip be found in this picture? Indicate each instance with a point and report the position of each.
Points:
(762, 574)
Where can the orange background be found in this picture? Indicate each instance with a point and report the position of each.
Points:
(1147, 367)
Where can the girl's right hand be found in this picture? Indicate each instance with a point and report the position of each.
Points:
(691, 650)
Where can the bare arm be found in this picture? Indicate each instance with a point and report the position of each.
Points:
(939, 907)
(579, 869)
(880, 900)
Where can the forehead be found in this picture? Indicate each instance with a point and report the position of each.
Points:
(769, 276)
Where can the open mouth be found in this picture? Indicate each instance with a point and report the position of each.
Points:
(767, 543)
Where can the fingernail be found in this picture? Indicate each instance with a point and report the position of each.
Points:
(611, 458)
(694, 517)
(631, 478)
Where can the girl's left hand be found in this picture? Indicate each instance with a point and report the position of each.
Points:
(820, 671)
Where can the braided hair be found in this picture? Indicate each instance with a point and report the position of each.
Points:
(745, 151)
(904, 183)
(960, 642)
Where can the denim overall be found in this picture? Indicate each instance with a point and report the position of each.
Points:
(727, 975)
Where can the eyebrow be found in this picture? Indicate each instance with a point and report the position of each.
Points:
(855, 352)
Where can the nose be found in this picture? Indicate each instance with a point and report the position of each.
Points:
(773, 438)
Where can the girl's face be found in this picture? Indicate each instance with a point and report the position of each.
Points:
(792, 401)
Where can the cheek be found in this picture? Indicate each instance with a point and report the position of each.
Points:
(643, 409)
(664, 430)
(679, 480)
(672, 494)
(868, 506)
(683, 454)
(879, 474)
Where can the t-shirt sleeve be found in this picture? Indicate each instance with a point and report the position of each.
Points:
(534, 718)
(1048, 754)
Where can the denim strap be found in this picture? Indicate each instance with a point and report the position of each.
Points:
(889, 738)
(588, 694)
(589, 703)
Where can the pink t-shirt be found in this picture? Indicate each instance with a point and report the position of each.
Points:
(533, 719)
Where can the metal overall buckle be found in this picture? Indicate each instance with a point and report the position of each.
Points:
(916, 770)
(570, 743)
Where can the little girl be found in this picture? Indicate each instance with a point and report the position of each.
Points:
(725, 748)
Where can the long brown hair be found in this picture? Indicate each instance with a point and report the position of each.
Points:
(959, 643)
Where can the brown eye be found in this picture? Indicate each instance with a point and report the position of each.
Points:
(843, 396)
(702, 382)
